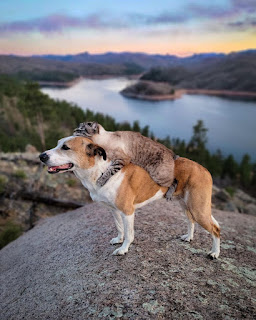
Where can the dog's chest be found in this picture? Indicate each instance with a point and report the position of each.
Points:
(108, 192)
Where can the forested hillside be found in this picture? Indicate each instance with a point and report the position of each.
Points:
(236, 72)
(41, 69)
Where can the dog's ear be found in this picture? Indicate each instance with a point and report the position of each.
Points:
(101, 152)
(93, 150)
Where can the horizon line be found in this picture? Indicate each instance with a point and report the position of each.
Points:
(128, 52)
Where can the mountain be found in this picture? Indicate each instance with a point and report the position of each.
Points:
(43, 69)
(235, 71)
(142, 59)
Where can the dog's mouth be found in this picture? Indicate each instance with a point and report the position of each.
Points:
(63, 167)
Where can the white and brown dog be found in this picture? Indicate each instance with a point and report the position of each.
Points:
(132, 188)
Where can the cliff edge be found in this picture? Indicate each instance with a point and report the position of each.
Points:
(63, 268)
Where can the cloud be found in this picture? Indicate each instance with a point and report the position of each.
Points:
(244, 5)
(230, 16)
(58, 23)
(242, 25)
(167, 18)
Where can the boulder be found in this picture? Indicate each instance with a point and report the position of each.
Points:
(63, 268)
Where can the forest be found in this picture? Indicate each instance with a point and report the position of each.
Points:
(27, 116)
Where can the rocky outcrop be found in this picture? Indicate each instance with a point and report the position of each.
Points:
(63, 269)
(28, 192)
(239, 201)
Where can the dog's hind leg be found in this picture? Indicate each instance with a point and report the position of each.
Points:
(120, 228)
(128, 221)
(212, 226)
(191, 226)
(215, 251)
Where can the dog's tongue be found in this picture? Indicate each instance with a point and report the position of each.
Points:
(62, 167)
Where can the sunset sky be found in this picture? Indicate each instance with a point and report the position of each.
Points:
(180, 27)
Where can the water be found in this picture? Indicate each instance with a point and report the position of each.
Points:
(231, 123)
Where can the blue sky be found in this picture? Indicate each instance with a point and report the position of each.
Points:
(176, 27)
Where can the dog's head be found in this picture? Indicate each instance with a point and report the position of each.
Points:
(72, 153)
(87, 129)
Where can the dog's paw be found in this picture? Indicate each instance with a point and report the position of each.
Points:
(186, 237)
(213, 254)
(120, 252)
(116, 240)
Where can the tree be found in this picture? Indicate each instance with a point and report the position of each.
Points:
(136, 126)
(199, 138)
(230, 168)
(246, 171)
(145, 131)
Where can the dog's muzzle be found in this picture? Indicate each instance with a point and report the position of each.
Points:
(44, 157)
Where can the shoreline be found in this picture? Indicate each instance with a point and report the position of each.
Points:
(69, 84)
(59, 84)
(179, 93)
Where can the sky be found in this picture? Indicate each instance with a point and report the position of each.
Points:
(180, 27)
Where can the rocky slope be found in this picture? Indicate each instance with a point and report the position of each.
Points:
(63, 269)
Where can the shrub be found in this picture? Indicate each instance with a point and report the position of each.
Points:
(20, 174)
(3, 181)
(230, 190)
(10, 232)
(71, 182)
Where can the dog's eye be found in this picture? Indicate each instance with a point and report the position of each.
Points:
(65, 147)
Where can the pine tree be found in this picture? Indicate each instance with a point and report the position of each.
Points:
(246, 171)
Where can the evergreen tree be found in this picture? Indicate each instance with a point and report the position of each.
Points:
(136, 126)
(199, 138)
(145, 131)
(246, 171)
(230, 168)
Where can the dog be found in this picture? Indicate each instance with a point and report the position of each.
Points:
(132, 187)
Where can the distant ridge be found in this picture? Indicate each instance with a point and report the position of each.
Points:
(217, 71)
(142, 59)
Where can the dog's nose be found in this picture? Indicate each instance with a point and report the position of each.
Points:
(44, 157)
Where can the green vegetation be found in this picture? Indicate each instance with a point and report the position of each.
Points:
(3, 181)
(71, 182)
(27, 116)
(230, 190)
(20, 174)
(10, 232)
(148, 89)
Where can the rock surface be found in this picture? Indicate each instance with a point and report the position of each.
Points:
(23, 172)
(238, 202)
(63, 268)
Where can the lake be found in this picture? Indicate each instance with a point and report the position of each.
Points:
(231, 123)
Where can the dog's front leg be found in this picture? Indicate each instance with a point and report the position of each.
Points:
(128, 221)
(120, 227)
